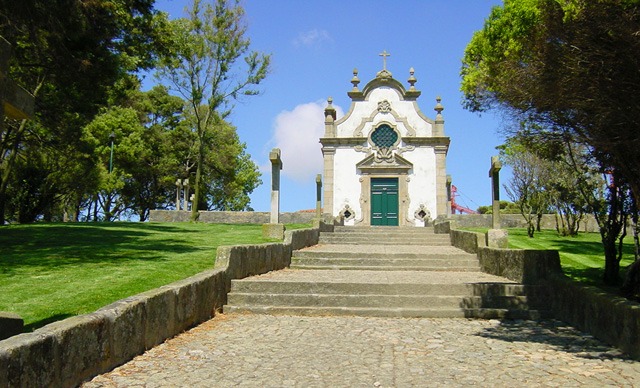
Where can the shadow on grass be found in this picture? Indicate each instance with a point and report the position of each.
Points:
(554, 333)
(43, 322)
(49, 246)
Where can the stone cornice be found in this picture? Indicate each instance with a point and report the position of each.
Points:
(342, 141)
(408, 140)
(427, 141)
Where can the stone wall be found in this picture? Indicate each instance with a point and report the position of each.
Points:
(614, 320)
(467, 241)
(525, 266)
(68, 352)
(516, 221)
(611, 319)
(219, 217)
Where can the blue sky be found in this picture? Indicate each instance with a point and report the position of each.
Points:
(315, 45)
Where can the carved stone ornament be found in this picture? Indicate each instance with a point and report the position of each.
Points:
(422, 214)
(384, 106)
(347, 213)
(384, 155)
(366, 150)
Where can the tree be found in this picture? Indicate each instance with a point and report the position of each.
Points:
(205, 72)
(526, 185)
(571, 67)
(69, 54)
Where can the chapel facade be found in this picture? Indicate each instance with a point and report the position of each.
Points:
(385, 161)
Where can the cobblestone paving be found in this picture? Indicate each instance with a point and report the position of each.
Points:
(287, 351)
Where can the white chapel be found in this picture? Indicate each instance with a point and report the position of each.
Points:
(385, 160)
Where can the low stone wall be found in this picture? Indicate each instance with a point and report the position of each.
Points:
(516, 221)
(467, 241)
(525, 266)
(68, 352)
(614, 320)
(220, 217)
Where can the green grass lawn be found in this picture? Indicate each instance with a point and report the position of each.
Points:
(52, 271)
(582, 256)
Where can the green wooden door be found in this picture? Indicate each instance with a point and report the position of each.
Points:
(384, 201)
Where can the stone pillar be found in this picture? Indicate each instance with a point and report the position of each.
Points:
(178, 187)
(496, 237)
(185, 193)
(276, 166)
(329, 155)
(495, 191)
(318, 217)
(441, 180)
(274, 229)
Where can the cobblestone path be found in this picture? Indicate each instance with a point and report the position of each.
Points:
(293, 351)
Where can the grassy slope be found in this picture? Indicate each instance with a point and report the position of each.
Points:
(52, 271)
(582, 256)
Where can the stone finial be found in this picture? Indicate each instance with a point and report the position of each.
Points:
(412, 80)
(329, 111)
(355, 80)
(438, 108)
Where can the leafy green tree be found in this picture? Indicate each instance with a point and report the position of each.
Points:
(68, 54)
(204, 70)
(570, 67)
(526, 185)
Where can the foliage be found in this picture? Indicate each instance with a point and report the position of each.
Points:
(68, 55)
(52, 271)
(526, 187)
(204, 71)
(571, 69)
(506, 207)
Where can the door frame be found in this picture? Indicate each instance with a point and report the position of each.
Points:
(365, 198)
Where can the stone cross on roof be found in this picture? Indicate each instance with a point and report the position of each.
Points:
(384, 56)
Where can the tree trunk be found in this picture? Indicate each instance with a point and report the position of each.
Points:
(196, 192)
(611, 264)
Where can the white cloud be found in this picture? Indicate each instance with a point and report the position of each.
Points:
(311, 38)
(297, 134)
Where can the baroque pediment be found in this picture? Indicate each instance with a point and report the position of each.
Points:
(384, 161)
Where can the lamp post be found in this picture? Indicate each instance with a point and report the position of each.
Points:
(112, 137)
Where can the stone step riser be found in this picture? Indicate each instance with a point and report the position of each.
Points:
(391, 313)
(383, 268)
(377, 241)
(483, 289)
(383, 230)
(429, 261)
(377, 301)
(427, 255)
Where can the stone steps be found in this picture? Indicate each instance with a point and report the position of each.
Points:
(356, 239)
(391, 312)
(372, 272)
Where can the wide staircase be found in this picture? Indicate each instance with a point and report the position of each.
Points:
(386, 272)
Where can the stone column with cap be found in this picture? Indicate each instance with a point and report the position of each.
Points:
(441, 151)
(329, 150)
(496, 237)
(274, 229)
